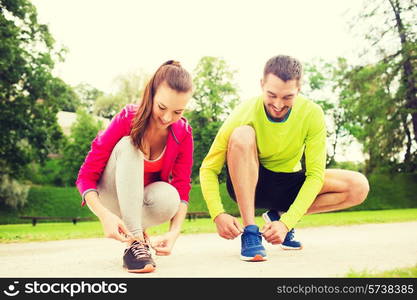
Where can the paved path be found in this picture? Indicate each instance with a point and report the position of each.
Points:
(328, 251)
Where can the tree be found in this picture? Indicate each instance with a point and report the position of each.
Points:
(108, 105)
(87, 95)
(321, 86)
(214, 97)
(380, 97)
(30, 96)
(130, 89)
(83, 131)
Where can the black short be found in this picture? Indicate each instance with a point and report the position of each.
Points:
(274, 190)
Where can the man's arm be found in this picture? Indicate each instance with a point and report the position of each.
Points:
(209, 174)
(227, 226)
(315, 157)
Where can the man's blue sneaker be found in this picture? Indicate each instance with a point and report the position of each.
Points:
(252, 249)
(289, 242)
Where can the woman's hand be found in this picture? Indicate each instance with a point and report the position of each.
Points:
(164, 243)
(114, 227)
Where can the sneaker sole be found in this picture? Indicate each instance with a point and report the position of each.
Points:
(290, 248)
(147, 269)
(257, 257)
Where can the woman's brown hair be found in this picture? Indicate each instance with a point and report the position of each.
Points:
(177, 79)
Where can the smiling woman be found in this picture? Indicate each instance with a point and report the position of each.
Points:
(137, 174)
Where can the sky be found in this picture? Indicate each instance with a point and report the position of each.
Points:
(107, 38)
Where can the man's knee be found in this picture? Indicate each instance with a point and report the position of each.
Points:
(242, 138)
(359, 188)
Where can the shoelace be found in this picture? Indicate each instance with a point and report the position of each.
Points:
(290, 235)
(251, 238)
(140, 249)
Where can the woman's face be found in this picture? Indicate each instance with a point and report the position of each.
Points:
(168, 106)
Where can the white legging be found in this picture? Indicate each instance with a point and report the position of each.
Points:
(121, 190)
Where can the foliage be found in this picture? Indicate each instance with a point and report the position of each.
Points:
(390, 191)
(380, 97)
(214, 98)
(348, 165)
(387, 192)
(50, 173)
(321, 86)
(83, 131)
(108, 105)
(30, 96)
(87, 95)
(12, 193)
(129, 90)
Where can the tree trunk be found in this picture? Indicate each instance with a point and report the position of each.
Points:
(408, 77)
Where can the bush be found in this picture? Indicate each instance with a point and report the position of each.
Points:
(48, 174)
(387, 192)
(348, 165)
(83, 131)
(390, 191)
(12, 193)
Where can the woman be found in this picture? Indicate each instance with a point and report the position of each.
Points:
(137, 173)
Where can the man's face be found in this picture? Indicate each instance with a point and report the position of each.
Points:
(279, 95)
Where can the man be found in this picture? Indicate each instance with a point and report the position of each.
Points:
(263, 141)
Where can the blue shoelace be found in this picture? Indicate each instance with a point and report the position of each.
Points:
(290, 235)
(252, 239)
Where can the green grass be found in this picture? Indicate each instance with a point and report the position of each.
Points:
(58, 231)
(359, 217)
(410, 272)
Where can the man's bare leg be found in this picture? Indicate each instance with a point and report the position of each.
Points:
(341, 189)
(243, 166)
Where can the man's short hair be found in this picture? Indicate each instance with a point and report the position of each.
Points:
(284, 67)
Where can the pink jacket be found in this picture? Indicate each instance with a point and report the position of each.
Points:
(177, 162)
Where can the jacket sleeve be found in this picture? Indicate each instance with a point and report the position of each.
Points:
(181, 171)
(100, 151)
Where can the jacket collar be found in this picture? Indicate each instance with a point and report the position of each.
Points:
(179, 129)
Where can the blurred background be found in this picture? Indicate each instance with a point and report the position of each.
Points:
(67, 67)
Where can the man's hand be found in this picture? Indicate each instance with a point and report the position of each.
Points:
(228, 227)
(275, 232)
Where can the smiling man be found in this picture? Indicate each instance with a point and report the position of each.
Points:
(262, 142)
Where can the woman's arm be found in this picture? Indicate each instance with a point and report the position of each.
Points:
(163, 244)
(113, 226)
(99, 154)
(178, 219)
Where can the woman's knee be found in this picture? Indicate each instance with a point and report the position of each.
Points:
(125, 146)
(162, 194)
(161, 203)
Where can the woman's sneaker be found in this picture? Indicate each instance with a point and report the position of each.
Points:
(289, 242)
(252, 249)
(137, 258)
